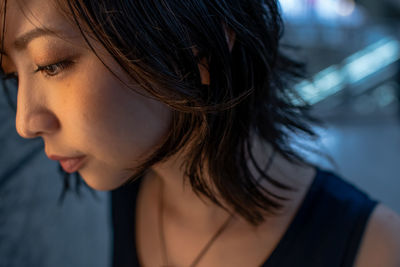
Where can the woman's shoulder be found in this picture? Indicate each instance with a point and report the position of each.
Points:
(381, 242)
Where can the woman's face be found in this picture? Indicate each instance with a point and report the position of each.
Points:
(74, 103)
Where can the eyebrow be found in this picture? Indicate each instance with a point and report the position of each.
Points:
(22, 41)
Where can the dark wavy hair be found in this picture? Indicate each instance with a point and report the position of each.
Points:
(159, 44)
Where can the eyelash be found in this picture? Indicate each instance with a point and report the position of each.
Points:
(62, 65)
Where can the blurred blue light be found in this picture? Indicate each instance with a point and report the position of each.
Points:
(321, 9)
(325, 83)
(372, 59)
(354, 69)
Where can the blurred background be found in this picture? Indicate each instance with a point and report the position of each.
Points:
(352, 50)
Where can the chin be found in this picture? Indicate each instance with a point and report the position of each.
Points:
(103, 182)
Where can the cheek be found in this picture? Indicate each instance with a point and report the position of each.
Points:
(114, 124)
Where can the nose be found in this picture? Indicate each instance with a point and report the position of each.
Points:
(36, 124)
(34, 118)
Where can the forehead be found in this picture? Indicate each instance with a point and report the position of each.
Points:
(25, 15)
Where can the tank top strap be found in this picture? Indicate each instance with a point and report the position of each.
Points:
(328, 227)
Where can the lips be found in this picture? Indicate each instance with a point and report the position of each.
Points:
(69, 165)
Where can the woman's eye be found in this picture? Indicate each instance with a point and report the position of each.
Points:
(54, 69)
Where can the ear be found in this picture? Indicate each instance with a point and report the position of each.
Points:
(230, 36)
(203, 69)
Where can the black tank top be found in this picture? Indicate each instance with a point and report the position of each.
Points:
(326, 231)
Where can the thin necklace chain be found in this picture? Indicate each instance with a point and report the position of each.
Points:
(203, 251)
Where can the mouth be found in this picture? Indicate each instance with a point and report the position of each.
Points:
(69, 165)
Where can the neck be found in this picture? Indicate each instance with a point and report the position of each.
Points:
(182, 205)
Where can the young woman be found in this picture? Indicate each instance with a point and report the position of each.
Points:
(191, 100)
